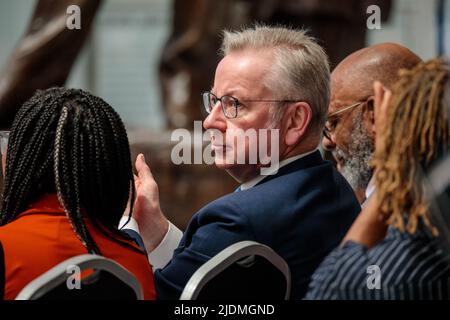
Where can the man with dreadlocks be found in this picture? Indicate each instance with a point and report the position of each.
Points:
(67, 183)
(349, 131)
(398, 247)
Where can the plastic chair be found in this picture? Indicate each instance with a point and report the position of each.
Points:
(243, 271)
(108, 281)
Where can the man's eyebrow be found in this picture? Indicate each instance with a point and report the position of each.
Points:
(230, 93)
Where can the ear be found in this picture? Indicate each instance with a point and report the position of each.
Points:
(297, 118)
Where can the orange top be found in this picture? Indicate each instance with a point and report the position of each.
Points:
(42, 237)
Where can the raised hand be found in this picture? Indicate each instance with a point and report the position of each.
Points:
(153, 225)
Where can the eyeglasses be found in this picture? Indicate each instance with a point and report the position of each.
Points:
(4, 136)
(229, 104)
(332, 118)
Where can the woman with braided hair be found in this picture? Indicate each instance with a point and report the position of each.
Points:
(67, 183)
(399, 246)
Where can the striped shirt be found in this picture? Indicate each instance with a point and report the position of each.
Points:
(402, 266)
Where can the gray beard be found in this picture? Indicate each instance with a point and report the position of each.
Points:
(356, 161)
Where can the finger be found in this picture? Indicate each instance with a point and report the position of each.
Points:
(384, 105)
(142, 168)
(378, 91)
(386, 100)
(382, 99)
(137, 181)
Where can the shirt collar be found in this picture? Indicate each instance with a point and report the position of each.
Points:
(48, 203)
(253, 182)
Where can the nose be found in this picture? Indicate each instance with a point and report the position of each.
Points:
(216, 119)
(328, 143)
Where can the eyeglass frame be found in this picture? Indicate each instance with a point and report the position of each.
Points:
(326, 132)
(236, 103)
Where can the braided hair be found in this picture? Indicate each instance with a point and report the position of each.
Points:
(417, 133)
(71, 143)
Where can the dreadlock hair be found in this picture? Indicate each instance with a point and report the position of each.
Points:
(71, 143)
(416, 134)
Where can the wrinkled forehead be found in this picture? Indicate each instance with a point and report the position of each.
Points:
(243, 73)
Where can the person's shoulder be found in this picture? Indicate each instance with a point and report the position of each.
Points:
(317, 175)
(345, 267)
(241, 210)
(227, 207)
(299, 186)
(9, 232)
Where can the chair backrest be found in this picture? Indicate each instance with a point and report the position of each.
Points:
(105, 280)
(243, 271)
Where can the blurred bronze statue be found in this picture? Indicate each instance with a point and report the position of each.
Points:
(47, 51)
(45, 54)
(191, 53)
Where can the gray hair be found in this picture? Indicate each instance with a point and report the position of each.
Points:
(301, 69)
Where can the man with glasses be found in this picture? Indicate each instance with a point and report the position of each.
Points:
(269, 79)
(349, 131)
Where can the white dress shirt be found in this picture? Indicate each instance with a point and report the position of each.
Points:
(162, 254)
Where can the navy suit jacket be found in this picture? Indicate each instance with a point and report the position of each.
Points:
(302, 213)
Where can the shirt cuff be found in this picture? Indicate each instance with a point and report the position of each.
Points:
(132, 224)
(162, 254)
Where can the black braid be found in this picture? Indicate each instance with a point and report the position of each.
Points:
(68, 142)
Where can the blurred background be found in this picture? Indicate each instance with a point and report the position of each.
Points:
(150, 59)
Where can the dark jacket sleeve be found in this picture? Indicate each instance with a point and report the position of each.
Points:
(210, 231)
